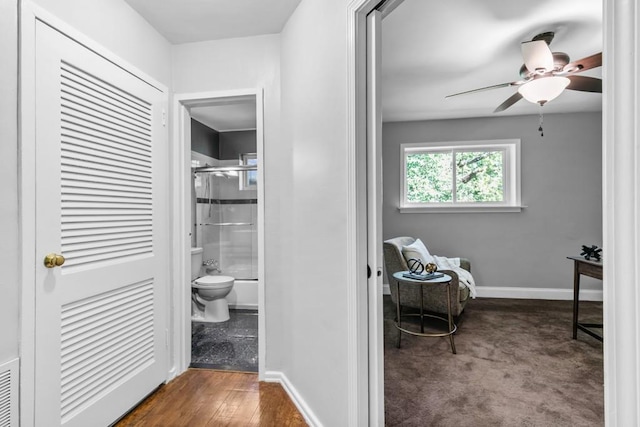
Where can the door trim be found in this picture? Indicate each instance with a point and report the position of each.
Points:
(365, 391)
(620, 212)
(374, 215)
(29, 14)
(181, 227)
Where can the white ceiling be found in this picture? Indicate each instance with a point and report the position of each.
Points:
(433, 48)
(430, 48)
(186, 21)
(227, 117)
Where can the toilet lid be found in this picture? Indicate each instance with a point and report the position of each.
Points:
(212, 281)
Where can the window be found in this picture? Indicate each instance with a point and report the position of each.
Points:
(469, 176)
(249, 179)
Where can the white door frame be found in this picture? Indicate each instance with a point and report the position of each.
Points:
(366, 355)
(374, 216)
(181, 225)
(621, 212)
(29, 13)
(621, 208)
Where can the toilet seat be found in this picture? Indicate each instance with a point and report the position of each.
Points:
(212, 282)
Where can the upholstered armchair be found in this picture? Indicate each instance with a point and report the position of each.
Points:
(435, 297)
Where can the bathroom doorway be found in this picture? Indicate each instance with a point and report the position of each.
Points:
(224, 210)
(221, 147)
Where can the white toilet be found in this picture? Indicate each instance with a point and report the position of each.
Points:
(209, 302)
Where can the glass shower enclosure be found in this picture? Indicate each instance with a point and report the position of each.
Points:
(226, 211)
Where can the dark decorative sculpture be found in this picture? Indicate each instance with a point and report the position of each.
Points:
(415, 266)
(591, 252)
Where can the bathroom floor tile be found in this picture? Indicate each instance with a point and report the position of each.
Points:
(230, 345)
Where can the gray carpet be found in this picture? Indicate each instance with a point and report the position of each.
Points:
(516, 366)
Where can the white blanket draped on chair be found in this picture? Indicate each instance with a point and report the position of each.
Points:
(453, 264)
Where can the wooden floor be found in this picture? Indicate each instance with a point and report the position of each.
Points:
(202, 397)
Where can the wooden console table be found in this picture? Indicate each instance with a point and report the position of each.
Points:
(591, 269)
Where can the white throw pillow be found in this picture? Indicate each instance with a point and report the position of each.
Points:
(417, 250)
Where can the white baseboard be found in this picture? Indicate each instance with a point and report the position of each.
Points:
(528, 293)
(537, 293)
(305, 410)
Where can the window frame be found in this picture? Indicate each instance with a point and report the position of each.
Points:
(510, 176)
(243, 182)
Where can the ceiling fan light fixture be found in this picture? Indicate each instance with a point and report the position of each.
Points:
(537, 56)
(542, 90)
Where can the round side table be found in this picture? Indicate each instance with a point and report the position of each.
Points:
(399, 277)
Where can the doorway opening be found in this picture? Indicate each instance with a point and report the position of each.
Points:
(219, 159)
(374, 231)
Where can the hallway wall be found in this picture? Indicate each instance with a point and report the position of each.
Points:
(315, 336)
(9, 229)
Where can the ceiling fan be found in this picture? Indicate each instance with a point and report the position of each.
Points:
(546, 74)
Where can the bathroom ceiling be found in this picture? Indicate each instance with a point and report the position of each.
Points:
(227, 117)
(186, 21)
(431, 49)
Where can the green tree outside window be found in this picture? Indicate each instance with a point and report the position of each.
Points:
(479, 176)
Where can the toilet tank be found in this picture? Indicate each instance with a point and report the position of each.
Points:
(196, 262)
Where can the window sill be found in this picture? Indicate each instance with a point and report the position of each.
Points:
(461, 209)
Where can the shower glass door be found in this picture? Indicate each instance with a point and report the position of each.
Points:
(226, 218)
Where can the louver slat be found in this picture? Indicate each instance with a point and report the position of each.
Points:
(86, 135)
(107, 93)
(105, 339)
(9, 393)
(106, 180)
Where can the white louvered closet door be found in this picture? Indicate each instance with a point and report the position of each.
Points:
(101, 172)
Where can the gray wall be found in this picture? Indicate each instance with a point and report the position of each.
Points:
(204, 140)
(221, 145)
(9, 243)
(232, 144)
(561, 187)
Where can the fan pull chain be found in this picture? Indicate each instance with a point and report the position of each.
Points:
(541, 123)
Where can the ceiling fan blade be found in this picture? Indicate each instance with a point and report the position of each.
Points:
(537, 55)
(509, 102)
(585, 84)
(584, 64)
(518, 83)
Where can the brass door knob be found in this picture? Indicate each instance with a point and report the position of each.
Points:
(53, 260)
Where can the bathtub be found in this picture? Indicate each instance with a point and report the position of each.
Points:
(244, 295)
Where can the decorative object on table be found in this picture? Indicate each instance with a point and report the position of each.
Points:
(417, 270)
(589, 252)
(431, 268)
(415, 266)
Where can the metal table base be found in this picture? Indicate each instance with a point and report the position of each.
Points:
(422, 315)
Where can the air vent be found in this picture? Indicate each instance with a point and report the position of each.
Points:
(9, 394)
